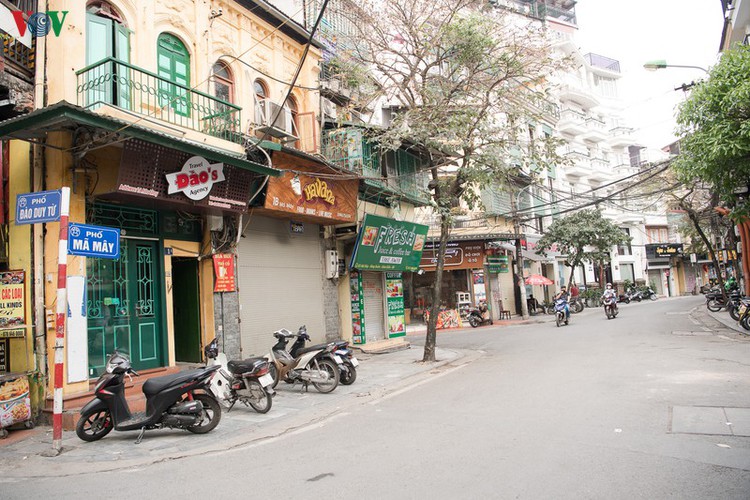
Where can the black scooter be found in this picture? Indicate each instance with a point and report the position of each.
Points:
(171, 401)
(479, 315)
(341, 354)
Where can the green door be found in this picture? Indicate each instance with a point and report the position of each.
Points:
(124, 306)
(186, 308)
(173, 61)
(110, 82)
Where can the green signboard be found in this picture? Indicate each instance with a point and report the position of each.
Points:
(358, 308)
(498, 264)
(389, 245)
(394, 290)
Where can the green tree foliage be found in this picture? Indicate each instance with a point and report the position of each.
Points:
(582, 236)
(466, 79)
(714, 126)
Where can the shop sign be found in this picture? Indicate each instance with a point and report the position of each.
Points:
(94, 241)
(224, 272)
(15, 404)
(12, 299)
(385, 244)
(358, 307)
(394, 290)
(32, 208)
(663, 251)
(196, 178)
(314, 197)
(498, 264)
(458, 255)
(4, 356)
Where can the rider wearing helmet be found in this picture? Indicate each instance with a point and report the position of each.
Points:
(563, 295)
(609, 292)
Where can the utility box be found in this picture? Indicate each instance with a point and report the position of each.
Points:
(332, 264)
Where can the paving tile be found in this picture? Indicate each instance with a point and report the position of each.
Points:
(700, 420)
(740, 419)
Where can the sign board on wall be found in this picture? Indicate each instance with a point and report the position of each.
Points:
(498, 264)
(77, 348)
(358, 307)
(32, 208)
(12, 298)
(4, 355)
(458, 255)
(385, 244)
(224, 272)
(196, 178)
(394, 291)
(315, 197)
(94, 241)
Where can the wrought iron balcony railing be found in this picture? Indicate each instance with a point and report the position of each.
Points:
(134, 89)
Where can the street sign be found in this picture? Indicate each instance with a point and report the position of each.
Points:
(94, 241)
(32, 208)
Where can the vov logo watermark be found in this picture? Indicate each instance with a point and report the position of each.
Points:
(39, 23)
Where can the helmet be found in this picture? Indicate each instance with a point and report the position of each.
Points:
(212, 349)
(609, 285)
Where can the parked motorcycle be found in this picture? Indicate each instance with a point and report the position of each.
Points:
(171, 401)
(479, 315)
(560, 316)
(716, 301)
(649, 293)
(248, 381)
(576, 304)
(610, 307)
(744, 313)
(311, 365)
(343, 356)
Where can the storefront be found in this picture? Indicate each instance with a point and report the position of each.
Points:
(662, 271)
(287, 266)
(385, 250)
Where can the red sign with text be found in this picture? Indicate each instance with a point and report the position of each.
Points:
(224, 272)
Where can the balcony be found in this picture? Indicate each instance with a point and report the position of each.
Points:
(571, 122)
(600, 170)
(580, 166)
(573, 89)
(620, 137)
(140, 92)
(595, 131)
(19, 55)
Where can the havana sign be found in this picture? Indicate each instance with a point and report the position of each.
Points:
(196, 178)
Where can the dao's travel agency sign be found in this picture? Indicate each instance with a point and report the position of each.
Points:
(196, 178)
(389, 245)
(94, 241)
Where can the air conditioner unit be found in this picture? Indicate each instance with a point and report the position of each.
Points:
(329, 109)
(283, 117)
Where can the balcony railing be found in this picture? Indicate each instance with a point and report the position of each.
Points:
(133, 89)
(22, 57)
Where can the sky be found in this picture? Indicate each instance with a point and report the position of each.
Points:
(682, 32)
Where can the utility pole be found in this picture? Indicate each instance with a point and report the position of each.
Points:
(519, 252)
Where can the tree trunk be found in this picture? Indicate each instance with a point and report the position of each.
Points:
(431, 338)
(696, 223)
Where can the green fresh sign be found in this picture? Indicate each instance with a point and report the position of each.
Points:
(389, 245)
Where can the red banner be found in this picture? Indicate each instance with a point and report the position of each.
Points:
(224, 272)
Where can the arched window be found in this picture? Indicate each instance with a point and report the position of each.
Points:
(223, 82)
(107, 36)
(173, 61)
(293, 108)
(260, 95)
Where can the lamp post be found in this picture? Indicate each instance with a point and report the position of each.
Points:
(662, 64)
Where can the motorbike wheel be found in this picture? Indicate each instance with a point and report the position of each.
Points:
(348, 375)
(745, 322)
(94, 425)
(211, 414)
(576, 307)
(261, 400)
(333, 374)
(653, 296)
(608, 312)
(473, 321)
(637, 299)
(558, 317)
(713, 305)
(734, 311)
(274, 373)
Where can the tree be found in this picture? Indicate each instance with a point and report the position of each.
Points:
(582, 236)
(461, 74)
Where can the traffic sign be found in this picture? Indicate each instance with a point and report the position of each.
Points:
(32, 208)
(94, 241)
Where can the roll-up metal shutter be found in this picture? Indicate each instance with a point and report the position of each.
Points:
(372, 289)
(279, 279)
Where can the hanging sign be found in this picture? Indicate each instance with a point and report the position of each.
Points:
(196, 178)
(498, 264)
(394, 291)
(32, 208)
(458, 255)
(93, 241)
(12, 299)
(358, 307)
(389, 245)
(224, 272)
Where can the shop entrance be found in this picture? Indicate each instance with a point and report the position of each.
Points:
(186, 309)
(124, 306)
(372, 289)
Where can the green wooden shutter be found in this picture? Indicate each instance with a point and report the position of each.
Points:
(122, 53)
(98, 48)
(174, 66)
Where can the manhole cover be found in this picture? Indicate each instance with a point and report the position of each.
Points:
(715, 420)
(686, 333)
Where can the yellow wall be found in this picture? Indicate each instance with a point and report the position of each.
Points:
(21, 350)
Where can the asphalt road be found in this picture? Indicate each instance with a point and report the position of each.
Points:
(599, 409)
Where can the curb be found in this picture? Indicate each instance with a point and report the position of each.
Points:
(719, 324)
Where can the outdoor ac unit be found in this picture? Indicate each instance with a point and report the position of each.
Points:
(329, 109)
(332, 264)
(282, 118)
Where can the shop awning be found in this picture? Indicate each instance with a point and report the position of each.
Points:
(65, 116)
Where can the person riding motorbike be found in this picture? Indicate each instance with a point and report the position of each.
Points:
(563, 295)
(609, 292)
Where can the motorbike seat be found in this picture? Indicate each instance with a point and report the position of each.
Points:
(316, 347)
(246, 365)
(158, 384)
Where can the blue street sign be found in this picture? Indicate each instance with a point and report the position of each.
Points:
(32, 208)
(93, 241)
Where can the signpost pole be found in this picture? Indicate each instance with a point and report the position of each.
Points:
(62, 272)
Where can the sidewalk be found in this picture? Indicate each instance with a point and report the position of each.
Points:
(721, 320)
(378, 375)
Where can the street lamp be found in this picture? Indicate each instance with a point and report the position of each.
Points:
(661, 64)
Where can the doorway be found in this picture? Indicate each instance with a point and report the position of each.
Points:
(186, 310)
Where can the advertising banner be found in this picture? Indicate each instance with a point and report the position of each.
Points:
(458, 255)
(385, 244)
(12, 298)
(307, 196)
(358, 308)
(498, 264)
(394, 290)
(224, 272)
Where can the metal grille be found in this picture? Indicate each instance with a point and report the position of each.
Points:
(144, 222)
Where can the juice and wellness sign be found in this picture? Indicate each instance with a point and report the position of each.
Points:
(386, 244)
